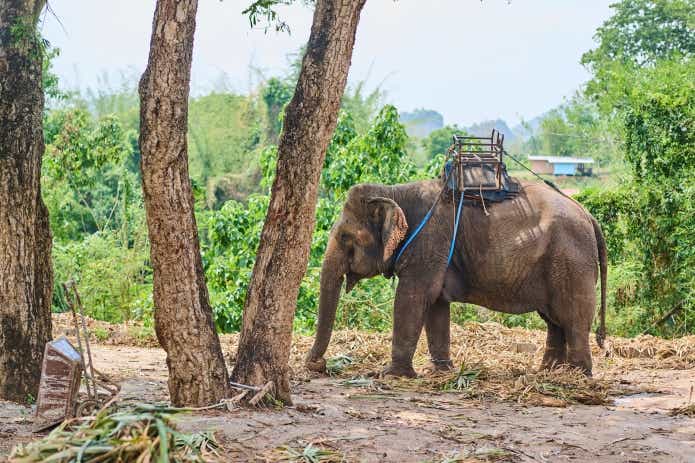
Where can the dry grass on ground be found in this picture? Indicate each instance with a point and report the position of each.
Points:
(500, 363)
(495, 406)
(492, 361)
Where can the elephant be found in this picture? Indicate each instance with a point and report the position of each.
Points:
(540, 251)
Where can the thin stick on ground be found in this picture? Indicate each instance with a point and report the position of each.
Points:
(267, 389)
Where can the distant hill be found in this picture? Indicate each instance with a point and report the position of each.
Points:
(527, 128)
(484, 129)
(421, 122)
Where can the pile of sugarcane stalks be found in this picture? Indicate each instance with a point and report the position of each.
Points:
(141, 433)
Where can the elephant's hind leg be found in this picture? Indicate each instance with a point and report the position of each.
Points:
(437, 326)
(555, 345)
(578, 349)
(572, 284)
(575, 324)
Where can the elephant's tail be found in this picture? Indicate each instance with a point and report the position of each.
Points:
(603, 267)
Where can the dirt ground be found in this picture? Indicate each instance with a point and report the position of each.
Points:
(496, 408)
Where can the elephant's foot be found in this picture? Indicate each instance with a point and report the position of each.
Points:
(582, 366)
(317, 365)
(442, 364)
(551, 362)
(398, 370)
(553, 365)
(554, 358)
(439, 365)
(580, 359)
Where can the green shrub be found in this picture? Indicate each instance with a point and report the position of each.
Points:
(610, 207)
(102, 334)
(115, 282)
(233, 232)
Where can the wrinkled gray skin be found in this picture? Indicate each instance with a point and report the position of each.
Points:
(538, 252)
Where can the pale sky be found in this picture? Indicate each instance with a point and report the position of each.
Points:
(471, 60)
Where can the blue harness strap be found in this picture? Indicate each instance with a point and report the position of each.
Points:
(424, 221)
(456, 228)
(417, 230)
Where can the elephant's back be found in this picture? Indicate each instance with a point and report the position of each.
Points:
(566, 222)
(554, 206)
(526, 227)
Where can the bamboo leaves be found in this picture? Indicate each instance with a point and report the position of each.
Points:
(139, 434)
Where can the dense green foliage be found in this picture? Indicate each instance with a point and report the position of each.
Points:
(96, 213)
(640, 33)
(658, 121)
(375, 156)
(225, 134)
(635, 117)
(439, 141)
(276, 94)
(649, 218)
(92, 188)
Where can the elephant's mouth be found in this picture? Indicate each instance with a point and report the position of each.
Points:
(351, 280)
(388, 271)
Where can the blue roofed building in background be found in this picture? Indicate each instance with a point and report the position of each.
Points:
(561, 165)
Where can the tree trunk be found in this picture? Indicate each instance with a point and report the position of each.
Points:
(26, 276)
(183, 316)
(282, 256)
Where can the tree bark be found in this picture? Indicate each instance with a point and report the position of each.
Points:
(282, 256)
(183, 316)
(26, 276)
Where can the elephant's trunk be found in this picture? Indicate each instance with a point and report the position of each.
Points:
(332, 271)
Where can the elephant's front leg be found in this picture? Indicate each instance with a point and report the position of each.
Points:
(437, 326)
(408, 317)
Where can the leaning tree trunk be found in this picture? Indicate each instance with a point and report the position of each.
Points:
(26, 277)
(283, 252)
(183, 316)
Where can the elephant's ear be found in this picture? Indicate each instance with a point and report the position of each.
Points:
(387, 214)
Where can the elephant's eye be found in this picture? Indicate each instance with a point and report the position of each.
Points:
(346, 239)
(347, 242)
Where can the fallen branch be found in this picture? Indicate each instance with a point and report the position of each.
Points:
(244, 387)
(623, 439)
(240, 396)
(262, 393)
(149, 407)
